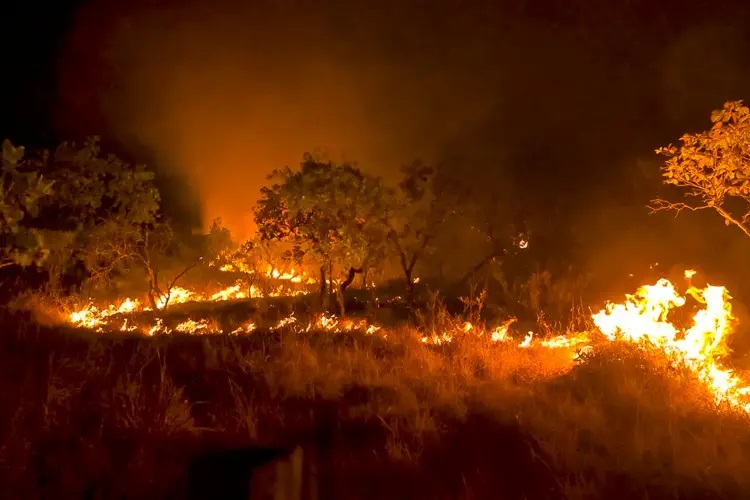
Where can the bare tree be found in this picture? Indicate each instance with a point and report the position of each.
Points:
(114, 248)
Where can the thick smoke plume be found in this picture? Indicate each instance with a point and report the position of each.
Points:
(563, 104)
(225, 94)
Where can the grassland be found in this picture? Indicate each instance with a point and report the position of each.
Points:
(116, 415)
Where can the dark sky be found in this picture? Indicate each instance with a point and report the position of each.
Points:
(565, 100)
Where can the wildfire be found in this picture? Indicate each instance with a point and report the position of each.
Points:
(291, 275)
(642, 318)
(239, 266)
(176, 295)
(232, 292)
(93, 318)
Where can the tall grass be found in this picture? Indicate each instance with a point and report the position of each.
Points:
(393, 417)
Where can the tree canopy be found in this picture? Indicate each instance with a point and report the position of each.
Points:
(713, 167)
(23, 192)
(75, 203)
(414, 214)
(330, 211)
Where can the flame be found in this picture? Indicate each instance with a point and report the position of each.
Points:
(176, 295)
(291, 275)
(158, 328)
(237, 264)
(527, 340)
(499, 334)
(232, 292)
(93, 318)
(564, 341)
(192, 326)
(248, 328)
(642, 318)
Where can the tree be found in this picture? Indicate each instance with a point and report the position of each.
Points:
(713, 167)
(102, 211)
(480, 198)
(94, 195)
(413, 216)
(244, 259)
(255, 258)
(218, 242)
(23, 191)
(117, 248)
(92, 188)
(333, 212)
(96, 191)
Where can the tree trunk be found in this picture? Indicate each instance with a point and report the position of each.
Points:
(347, 282)
(250, 278)
(409, 285)
(340, 302)
(408, 268)
(323, 285)
(480, 265)
(371, 290)
(350, 277)
(331, 286)
(154, 292)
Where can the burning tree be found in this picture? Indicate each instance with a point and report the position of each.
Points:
(713, 167)
(333, 212)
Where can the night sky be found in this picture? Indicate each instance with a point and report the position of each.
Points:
(559, 103)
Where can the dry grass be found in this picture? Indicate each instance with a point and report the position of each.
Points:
(103, 415)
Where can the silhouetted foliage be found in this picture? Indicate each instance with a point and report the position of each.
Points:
(332, 212)
(414, 214)
(120, 248)
(23, 190)
(76, 204)
(713, 167)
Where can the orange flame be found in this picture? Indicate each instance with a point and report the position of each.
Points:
(641, 319)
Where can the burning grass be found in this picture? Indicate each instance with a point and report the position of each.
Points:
(629, 406)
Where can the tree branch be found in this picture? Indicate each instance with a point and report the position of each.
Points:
(418, 251)
(183, 272)
(728, 217)
(659, 205)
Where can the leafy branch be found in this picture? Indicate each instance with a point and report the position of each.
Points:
(713, 168)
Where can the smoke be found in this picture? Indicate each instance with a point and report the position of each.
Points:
(557, 105)
(225, 94)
